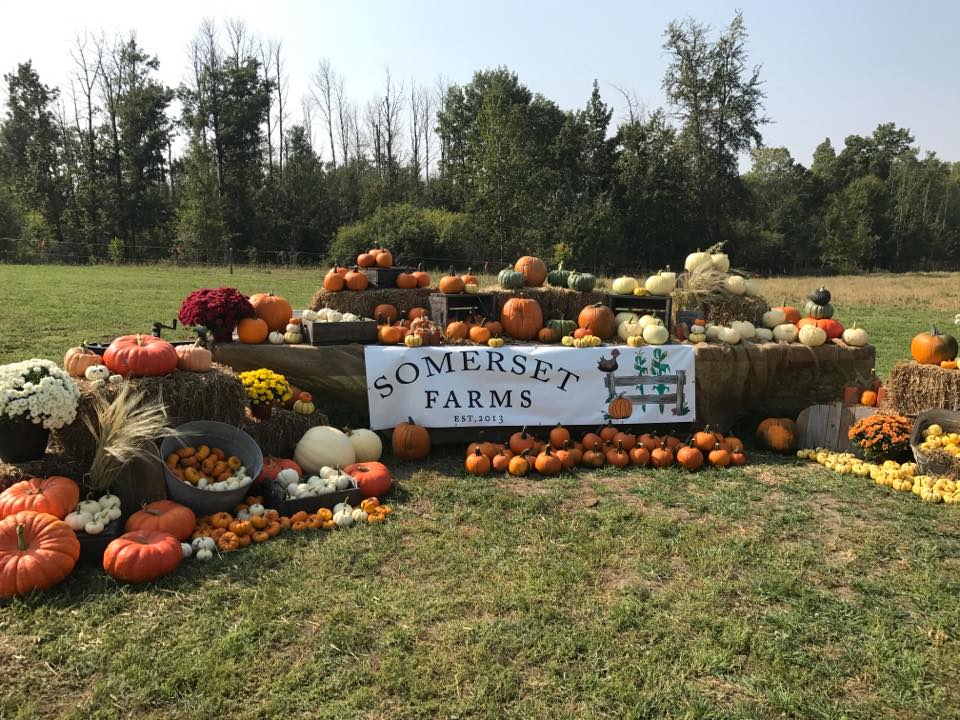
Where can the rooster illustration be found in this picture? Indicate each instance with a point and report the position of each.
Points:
(609, 365)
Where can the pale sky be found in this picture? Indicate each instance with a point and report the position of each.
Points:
(831, 68)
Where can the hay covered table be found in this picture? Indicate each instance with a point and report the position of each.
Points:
(731, 381)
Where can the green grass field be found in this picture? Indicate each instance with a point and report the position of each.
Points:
(774, 591)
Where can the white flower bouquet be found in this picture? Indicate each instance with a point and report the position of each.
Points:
(39, 392)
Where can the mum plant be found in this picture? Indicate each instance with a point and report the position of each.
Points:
(882, 437)
(217, 309)
(265, 387)
(37, 391)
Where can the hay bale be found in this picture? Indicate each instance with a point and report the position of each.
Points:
(279, 434)
(214, 395)
(363, 303)
(913, 388)
(53, 463)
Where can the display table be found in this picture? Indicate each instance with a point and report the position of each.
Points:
(768, 379)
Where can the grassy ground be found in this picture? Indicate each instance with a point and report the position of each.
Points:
(771, 591)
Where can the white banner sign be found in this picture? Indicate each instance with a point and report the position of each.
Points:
(459, 386)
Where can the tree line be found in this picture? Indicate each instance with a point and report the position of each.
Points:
(116, 166)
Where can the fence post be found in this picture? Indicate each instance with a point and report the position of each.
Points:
(230, 258)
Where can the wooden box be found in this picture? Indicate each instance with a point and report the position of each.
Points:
(380, 278)
(92, 547)
(445, 308)
(660, 306)
(363, 332)
(275, 497)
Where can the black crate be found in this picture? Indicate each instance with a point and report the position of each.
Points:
(380, 278)
(445, 308)
(92, 547)
(660, 306)
(363, 332)
(275, 497)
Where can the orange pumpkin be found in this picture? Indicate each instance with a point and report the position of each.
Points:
(406, 281)
(521, 441)
(547, 463)
(140, 356)
(37, 551)
(521, 318)
(373, 478)
(274, 310)
(777, 434)
(56, 495)
(719, 456)
(704, 440)
(383, 259)
(253, 331)
(479, 334)
(640, 456)
(77, 360)
(163, 516)
(500, 461)
(608, 432)
(626, 439)
(662, 456)
(791, 314)
(385, 313)
(618, 456)
(594, 457)
(534, 270)
(333, 281)
(356, 280)
(547, 335)
(411, 441)
(194, 358)
(451, 284)
(690, 458)
(868, 398)
(469, 278)
(519, 465)
(422, 276)
(559, 436)
(142, 556)
(366, 260)
(477, 463)
(933, 347)
(600, 319)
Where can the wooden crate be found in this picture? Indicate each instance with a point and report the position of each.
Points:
(660, 306)
(363, 332)
(446, 308)
(380, 278)
(827, 425)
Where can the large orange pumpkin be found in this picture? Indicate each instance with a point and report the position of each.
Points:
(77, 360)
(422, 276)
(333, 280)
(599, 319)
(36, 552)
(56, 495)
(164, 516)
(933, 347)
(411, 441)
(140, 356)
(274, 310)
(831, 327)
(253, 331)
(534, 270)
(142, 555)
(521, 318)
(777, 434)
(356, 280)
(373, 478)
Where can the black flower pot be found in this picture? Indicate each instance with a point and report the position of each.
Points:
(22, 440)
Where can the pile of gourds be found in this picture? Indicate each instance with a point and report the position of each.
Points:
(610, 445)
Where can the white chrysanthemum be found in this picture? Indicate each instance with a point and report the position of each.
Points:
(38, 391)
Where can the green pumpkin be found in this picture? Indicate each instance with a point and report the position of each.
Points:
(581, 282)
(510, 279)
(558, 277)
(819, 312)
(562, 327)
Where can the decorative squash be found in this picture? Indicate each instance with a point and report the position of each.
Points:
(304, 404)
(510, 279)
(819, 312)
(274, 310)
(558, 277)
(142, 556)
(411, 441)
(820, 296)
(581, 282)
(36, 552)
(949, 364)
(533, 269)
(599, 319)
(373, 478)
(562, 327)
(777, 434)
(194, 358)
(56, 495)
(163, 516)
(451, 283)
(477, 463)
(620, 407)
(323, 446)
(933, 347)
(140, 356)
(521, 318)
(77, 360)
(356, 280)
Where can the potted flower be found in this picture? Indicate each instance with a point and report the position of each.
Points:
(265, 389)
(882, 437)
(218, 310)
(36, 397)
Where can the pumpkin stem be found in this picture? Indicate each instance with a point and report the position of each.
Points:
(21, 540)
(410, 420)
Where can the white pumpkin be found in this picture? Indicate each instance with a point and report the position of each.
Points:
(275, 338)
(655, 334)
(204, 554)
(745, 329)
(359, 515)
(750, 288)
(787, 332)
(94, 527)
(713, 333)
(649, 320)
(698, 262)
(324, 446)
(78, 520)
(625, 285)
(334, 316)
(735, 285)
(661, 283)
(628, 317)
(343, 517)
(199, 543)
(349, 317)
(629, 329)
(97, 372)
(109, 501)
(366, 445)
(287, 476)
(729, 336)
(186, 549)
(812, 336)
(855, 337)
(721, 263)
(773, 317)
(669, 275)
(763, 335)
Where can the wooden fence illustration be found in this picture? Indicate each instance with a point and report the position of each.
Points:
(678, 380)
